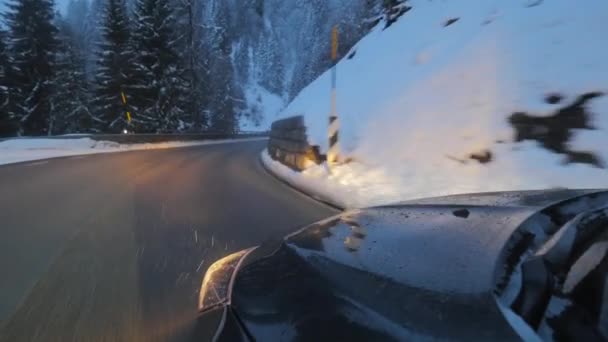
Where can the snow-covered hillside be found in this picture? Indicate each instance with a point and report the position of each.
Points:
(280, 46)
(428, 106)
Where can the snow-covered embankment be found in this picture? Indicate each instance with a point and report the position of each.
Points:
(466, 96)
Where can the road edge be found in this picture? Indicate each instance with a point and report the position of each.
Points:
(135, 148)
(316, 197)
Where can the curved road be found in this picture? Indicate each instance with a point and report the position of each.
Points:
(113, 247)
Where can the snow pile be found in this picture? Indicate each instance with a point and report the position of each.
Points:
(426, 106)
(349, 186)
(26, 149)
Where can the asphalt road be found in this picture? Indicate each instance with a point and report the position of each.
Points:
(113, 247)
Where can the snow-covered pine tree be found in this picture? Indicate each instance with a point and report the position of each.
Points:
(393, 9)
(115, 69)
(71, 98)
(188, 15)
(158, 89)
(218, 68)
(5, 124)
(94, 19)
(77, 20)
(32, 45)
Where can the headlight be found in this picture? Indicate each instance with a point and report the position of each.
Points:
(218, 280)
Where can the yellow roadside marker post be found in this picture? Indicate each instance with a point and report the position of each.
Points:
(124, 101)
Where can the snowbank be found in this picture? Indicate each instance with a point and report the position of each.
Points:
(27, 149)
(418, 99)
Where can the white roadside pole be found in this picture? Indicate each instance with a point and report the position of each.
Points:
(333, 151)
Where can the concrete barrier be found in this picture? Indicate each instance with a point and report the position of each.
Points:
(288, 144)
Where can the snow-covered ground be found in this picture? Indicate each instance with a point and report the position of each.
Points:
(27, 149)
(263, 107)
(417, 99)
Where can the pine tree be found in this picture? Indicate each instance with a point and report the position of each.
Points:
(393, 9)
(219, 71)
(94, 20)
(5, 64)
(32, 46)
(70, 111)
(188, 23)
(114, 69)
(158, 87)
(77, 21)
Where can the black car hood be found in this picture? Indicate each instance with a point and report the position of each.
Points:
(421, 270)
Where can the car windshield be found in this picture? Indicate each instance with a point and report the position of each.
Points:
(142, 141)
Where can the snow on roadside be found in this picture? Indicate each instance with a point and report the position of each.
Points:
(358, 185)
(419, 98)
(351, 186)
(28, 149)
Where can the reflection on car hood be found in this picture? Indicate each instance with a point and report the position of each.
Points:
(421, 270)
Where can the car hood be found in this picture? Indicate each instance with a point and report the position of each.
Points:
(425, 269)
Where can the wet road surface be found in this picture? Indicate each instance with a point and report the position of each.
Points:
(113, 247)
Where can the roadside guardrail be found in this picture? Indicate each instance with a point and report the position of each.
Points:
(289, 145)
